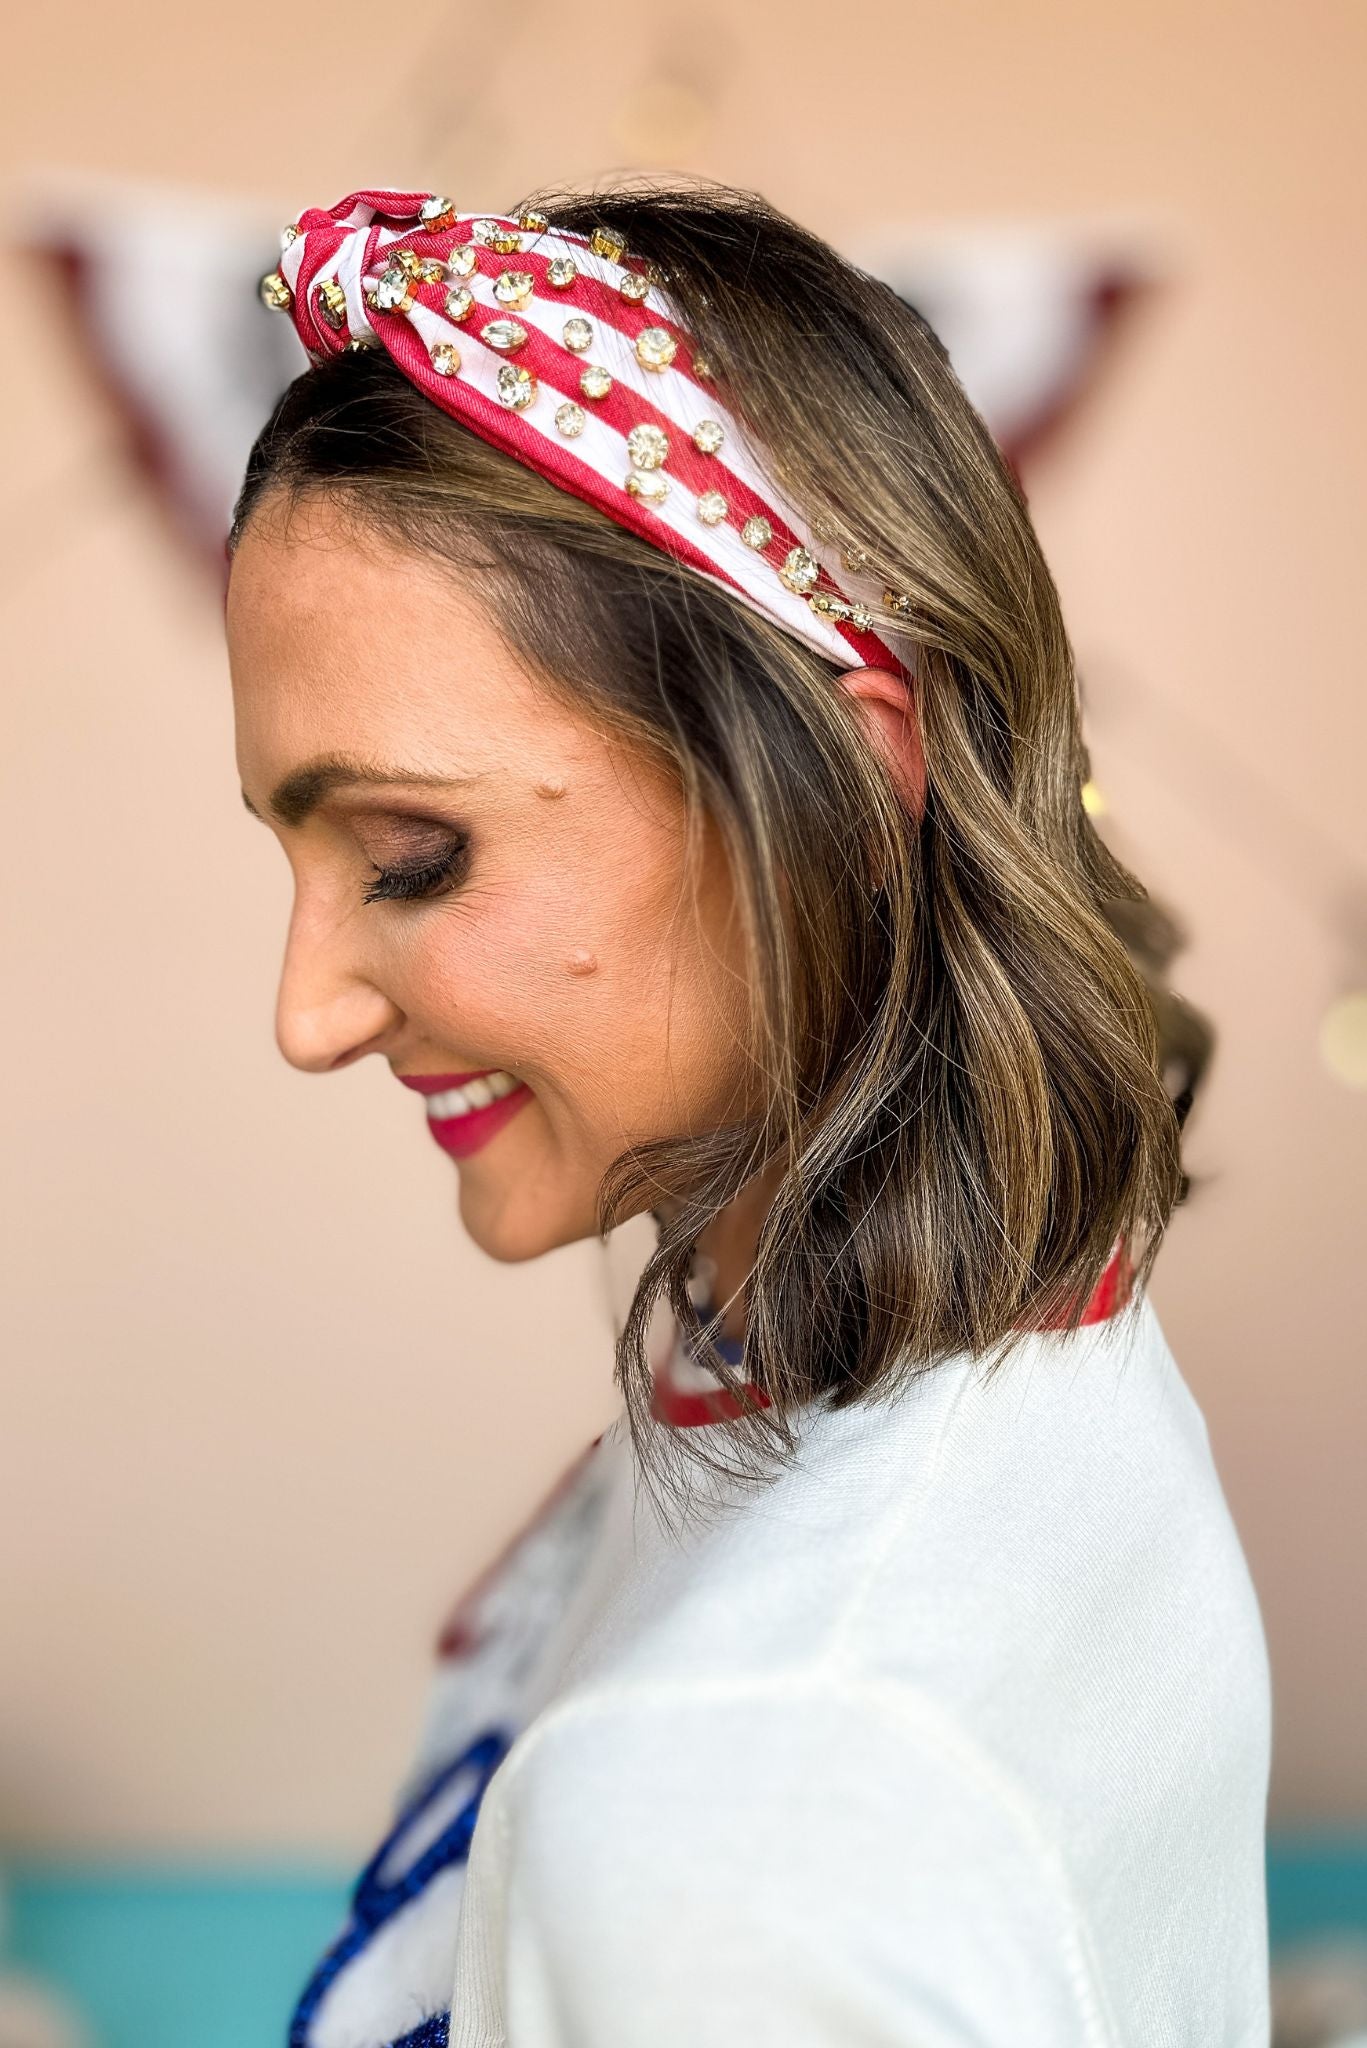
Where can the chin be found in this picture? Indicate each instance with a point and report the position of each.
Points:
(513, 1232)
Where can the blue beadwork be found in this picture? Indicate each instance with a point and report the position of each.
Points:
(373, 1903)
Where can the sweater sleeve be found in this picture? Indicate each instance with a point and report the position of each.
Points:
(789, 1866)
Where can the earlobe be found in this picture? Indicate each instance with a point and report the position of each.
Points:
(887, 706)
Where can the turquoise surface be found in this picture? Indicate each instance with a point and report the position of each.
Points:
(214, 1958)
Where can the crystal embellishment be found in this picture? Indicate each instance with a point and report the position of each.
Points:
(532, 223)
(708, 436)
(570, 419)
(392, 293)
(712, 508)
(648, 485)
(507, 336)
(799, 571)
(634, 287)
(493, 235)
(445, 358)
(463, 260)
(561, 271)
(332, 303)
(578, 334)
(656, 348)
(647, 446)
(594, 381)
(757, 532)
(437, 212)
(516, 387)
(460, 303)
(608, 243)
(275, 293)
(513, 288)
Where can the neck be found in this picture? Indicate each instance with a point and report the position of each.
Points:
(729, 1242)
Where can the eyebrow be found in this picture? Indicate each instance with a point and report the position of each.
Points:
(303, 789)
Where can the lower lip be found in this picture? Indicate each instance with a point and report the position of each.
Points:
(462, 1135)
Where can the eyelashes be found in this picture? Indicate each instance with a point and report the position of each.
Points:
(420, 881)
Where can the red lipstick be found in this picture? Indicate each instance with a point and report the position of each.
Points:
(464, 1111)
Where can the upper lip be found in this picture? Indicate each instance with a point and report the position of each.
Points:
(437, 1084)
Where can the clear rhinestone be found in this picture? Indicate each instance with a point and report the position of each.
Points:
(578, 335)
(436, 212)
(288, 235)
(702, 369)
(647, 446)
(756, 532)
(708, 436)
(516, 387)
(392, 293)
(799, 571)
(634, 287)
(656, 348)
(463, 260)
(649, 485)
(406, 260)
(594, 381)
(513, 288)
(532, 223)
(505, 335)
(712, 508)
(494, 235)
(570, 419)
(332, 303)
(607, 242)
(561, 271)
(460, 303)
(445, 358)
(431, 272)
(275, 293)
(861, 618)
(854, 558)
(829, 607)
(896, 601)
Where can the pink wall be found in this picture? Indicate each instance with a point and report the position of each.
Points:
(265, 1408)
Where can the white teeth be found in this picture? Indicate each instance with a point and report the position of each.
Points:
(476, 1094)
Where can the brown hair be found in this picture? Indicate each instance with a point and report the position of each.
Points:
(964, 1091)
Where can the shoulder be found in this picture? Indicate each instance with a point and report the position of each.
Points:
(793, 1854)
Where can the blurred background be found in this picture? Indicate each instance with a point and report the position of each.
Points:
(265, 1410)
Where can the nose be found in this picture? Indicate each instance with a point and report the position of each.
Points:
(328, 1012)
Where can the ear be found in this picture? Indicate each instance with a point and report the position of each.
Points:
(886, 704)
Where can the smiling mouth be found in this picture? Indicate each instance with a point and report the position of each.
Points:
(477, 1093)
(471, 1109)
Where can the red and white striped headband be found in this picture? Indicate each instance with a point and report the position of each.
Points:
(562, 352)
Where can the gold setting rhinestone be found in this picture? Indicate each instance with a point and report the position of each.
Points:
(578, 334)
(275, 293)
(393, 293)
(712, 508)
(648, 446)
(532, 223)
(460, 303)
(507, 336)
(445, 358)
(708, 436)
(570, 419)
(463, 260)
(861, 618)
(702, 369)
(896, 601)
(854, 558)
(608, 243)
(799, 571)
(493, 235)
(594, 381)
(437, 212)
(648, 485)
(513, 288)
(656, 348)
(561, 272)
(756, 532)
(634, 287)
(289, 234)
(517, 387)
(332, 303)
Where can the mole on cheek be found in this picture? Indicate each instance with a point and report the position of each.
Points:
(581, 961)
(550, 786)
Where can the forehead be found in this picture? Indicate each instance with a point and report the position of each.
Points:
(342, 640)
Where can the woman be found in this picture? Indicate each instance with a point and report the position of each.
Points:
(650, 670)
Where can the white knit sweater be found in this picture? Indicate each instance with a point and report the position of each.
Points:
(956, 1736)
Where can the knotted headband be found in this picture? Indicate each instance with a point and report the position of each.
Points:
(566, 353)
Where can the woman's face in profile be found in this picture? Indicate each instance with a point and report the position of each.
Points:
(490, 892)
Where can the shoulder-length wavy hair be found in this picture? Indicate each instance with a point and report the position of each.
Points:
(965, 1105)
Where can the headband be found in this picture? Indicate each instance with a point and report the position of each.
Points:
(565, 352)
